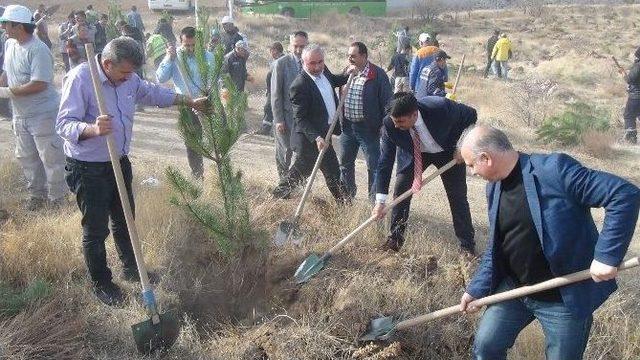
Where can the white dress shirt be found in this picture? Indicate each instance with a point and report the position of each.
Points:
(427, 145)
(326, 90)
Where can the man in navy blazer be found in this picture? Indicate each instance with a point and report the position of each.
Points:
(438, 122)
(540, 227)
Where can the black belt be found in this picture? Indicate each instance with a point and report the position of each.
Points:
(94, 163)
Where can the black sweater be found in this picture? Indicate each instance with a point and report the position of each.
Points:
(520, 249)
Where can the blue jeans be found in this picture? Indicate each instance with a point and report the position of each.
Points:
(357, 135)
(565, 335)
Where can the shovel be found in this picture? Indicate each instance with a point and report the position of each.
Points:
(161, 330)
(314, 263)
(289, 229)
(620, 68)
(383, 328)
(455, 84)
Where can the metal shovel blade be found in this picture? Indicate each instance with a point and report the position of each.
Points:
(150, 337)
(380, 329)
(309, 267)
(287, 230)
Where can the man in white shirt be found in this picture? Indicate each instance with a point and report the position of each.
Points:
(314, 104)
(434, 124)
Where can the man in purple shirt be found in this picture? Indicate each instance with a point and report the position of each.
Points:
(89, 173)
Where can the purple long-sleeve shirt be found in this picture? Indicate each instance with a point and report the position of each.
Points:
(79, 108)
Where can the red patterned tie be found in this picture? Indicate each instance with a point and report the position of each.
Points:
(417, 161)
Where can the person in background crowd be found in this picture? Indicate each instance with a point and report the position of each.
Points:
(491, 42)
(632, 109)
(192, 84)
(235, 64)
(364, 108)
(134, 19)
(284, 72)
(165, 28)
(92, 15)
(400, 66)
(81, 19)
(27, 81)
(421, 60)
(403, 38)
(42, 30)
(156, 49)
(101, 32)
(501, 55)
(65, 31)
(276, 51)
(434, 79)
(5, 106)
(75, 46)
(230, 36)
(314, 104)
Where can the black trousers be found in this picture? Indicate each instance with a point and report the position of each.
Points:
(94, 185)
(303, 165)
(455, 185)
(267, 118)
(195, 159)
(631, 113)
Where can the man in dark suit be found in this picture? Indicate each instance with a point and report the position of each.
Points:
(434, 124)
(540, 227)
(314, 103)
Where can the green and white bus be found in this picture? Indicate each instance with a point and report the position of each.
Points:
(308, 8)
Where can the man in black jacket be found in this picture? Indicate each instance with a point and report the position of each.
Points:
(632, 110)
(491, 42)
(434, 124)
(314, 104)
(364, 109)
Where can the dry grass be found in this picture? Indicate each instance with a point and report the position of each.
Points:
(322, 319)
(47, 330)
(598, 144)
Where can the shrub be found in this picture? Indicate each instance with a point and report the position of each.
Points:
(529, 99)
(569, 127)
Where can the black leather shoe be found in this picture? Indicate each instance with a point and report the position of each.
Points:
(281, 193)
(469, 249)
(109, 293)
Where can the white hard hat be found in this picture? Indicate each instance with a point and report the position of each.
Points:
(424, 37)
(227, 20)
(18, 14)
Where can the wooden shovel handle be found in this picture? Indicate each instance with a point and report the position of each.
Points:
(390, 206)
(327, 141)
(513, 294)
(117, 171)
(455, 84)
(615, 61)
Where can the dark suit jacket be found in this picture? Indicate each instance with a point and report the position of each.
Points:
(309, 110)
(560, 193)
(445, 120)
